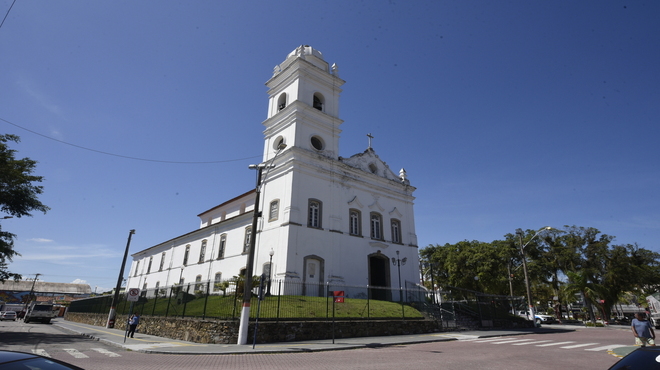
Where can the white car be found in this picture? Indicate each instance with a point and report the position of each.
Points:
(538, 318)
(7, 315)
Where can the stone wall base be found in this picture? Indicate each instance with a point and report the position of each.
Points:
(226, 332)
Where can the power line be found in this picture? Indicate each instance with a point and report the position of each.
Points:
(6, 15)
(123, 156)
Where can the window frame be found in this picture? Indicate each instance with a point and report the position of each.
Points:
(376, 226)
(202, 251)
(314, 214)
(274, 210)
(186, 254)
(222, 245)
(247, 239)
(354, 223)
(395, 226)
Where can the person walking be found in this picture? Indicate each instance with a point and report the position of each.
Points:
(643, 331)
(133, 323)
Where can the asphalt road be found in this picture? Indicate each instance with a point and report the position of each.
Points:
(584, 348)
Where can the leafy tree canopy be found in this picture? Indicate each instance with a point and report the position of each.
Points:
(18, 197)
(561, 264)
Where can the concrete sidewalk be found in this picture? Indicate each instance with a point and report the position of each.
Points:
(153, 344)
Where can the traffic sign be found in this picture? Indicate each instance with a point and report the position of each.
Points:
(133, 294)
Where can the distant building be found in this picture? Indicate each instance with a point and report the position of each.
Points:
(12, 292)
(326, 219)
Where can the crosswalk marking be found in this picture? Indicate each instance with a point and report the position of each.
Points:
(579, 345)
(511, 341)
(40, 352)
(75, 353)
(106, 352)
(607, 348)
(526, 343)
(554, 344)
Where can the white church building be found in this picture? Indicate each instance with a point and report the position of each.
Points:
(325, 220)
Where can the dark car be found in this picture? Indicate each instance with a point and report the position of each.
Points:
(10, 360)
(643, 358)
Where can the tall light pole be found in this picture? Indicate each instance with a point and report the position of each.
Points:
(30, 297)
(398, 262)
(270, 270)
(520, 233)
(115, 298)
(247, 286)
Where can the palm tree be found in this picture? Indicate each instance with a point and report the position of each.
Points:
(578, 282)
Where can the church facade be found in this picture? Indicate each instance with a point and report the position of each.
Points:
(325, 220)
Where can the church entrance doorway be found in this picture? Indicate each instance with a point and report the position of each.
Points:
(379, 281)
(313, 276)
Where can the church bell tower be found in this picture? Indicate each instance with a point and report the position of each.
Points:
(303, 105)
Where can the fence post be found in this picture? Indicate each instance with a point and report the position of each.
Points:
(153, 310)
(279, 300)
(208, 286)
(185, 301)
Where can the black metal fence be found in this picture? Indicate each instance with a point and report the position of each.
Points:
(282, 300)
(278, 300)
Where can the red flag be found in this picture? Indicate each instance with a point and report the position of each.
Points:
(339, 296)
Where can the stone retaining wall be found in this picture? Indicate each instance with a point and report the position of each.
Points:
(226, 332)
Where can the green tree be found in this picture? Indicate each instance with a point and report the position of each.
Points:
(18, 197)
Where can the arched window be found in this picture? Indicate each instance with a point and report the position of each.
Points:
(318, 101)
(221, 247)
(396, 231)
(162, 261)
(376, 226)
(248, 237)
(314, 214)
(202, 252)
(354, 222)
(186, 254)
(217, 281)
(281, 102)
(198, 286)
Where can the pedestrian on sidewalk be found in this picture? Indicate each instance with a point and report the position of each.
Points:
(133, 323)
(643, 331)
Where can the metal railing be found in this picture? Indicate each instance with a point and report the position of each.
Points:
(279, 300)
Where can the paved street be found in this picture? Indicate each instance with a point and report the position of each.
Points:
(577, 347)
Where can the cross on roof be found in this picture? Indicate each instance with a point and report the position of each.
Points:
(370, 137)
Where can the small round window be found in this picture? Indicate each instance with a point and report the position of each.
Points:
(317, 143)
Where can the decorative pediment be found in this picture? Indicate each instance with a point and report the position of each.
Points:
(368, 161)
(355, 202)
(376, 205)
(395, 213)
(378, 245)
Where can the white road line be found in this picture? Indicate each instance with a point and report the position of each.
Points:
(554, 344)
(106, 352)
(526, 343)
(75, 353)
(607, 348)
(40, 352)
(486, 340)
(511, 341)
(579, 345)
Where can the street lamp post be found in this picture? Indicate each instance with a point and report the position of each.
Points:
(247, 286)
(520, 233)
(115, 298)
(270, 270)
(398, 262)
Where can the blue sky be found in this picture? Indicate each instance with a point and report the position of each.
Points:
(505, 114)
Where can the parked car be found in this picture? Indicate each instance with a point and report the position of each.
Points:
(644, 358)
(8, 315)
(11, 360)
(538, 318)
